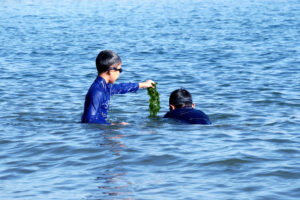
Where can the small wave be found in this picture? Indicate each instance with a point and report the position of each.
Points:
(290, 174)
(228, 162)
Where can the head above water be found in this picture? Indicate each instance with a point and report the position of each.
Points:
(106, 60)
(180, 98)
(109, 65)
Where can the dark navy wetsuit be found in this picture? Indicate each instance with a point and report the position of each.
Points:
(188, 115)
(98, 97)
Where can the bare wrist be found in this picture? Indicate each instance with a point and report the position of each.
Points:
(141, 85)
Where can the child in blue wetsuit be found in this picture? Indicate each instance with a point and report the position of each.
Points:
(97, 99)
(183, 109)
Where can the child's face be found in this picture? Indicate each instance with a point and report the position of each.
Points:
(114, 74)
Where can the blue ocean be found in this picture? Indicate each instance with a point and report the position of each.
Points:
(240, 60)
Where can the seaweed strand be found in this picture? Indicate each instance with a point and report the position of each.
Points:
(154, 104)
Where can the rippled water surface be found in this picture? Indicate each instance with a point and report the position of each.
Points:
(239, 59)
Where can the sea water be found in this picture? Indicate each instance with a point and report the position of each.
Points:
(239, 60)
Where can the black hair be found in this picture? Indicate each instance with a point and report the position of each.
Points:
(106, 59)
(180, 98)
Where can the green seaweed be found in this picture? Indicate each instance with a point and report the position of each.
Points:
(154, 104)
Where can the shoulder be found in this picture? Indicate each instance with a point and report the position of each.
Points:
(199, 117)
(175, 114)
(96, 89)
(189, 115)
(167, 115)
(197, 112)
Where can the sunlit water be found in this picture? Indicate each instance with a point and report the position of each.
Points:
(239, 59)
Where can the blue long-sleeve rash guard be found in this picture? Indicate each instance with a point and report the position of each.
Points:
(98, 97)
(188, 115)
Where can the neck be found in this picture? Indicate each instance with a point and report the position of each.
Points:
(104, 76)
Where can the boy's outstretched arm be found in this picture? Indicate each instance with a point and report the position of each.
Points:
(146, 84)
(123, 88)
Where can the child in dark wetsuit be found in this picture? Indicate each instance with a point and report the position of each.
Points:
(109, 67)
(182, 108)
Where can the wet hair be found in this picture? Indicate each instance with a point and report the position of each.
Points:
(106, 59)
(181, 98)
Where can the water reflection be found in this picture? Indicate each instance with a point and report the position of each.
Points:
(113, 182)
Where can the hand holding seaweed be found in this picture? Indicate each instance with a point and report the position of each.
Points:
(154, 104)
